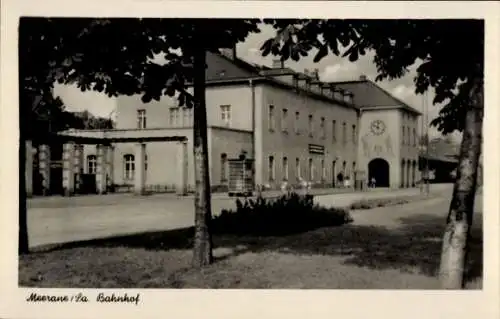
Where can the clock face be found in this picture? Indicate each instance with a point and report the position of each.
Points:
(377, 127)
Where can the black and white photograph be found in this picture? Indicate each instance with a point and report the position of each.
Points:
(278, 153)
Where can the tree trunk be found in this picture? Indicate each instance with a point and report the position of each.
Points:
(23, 247)
(459, 220)
(202, 250)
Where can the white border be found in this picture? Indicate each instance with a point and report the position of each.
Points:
(251, 303)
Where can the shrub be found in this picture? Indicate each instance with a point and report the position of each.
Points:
(374, 203)
(290, 213)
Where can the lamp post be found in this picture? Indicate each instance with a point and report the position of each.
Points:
(424, 147)
(426, 141)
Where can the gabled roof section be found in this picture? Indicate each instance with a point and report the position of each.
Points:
(369, 95)
(220, 68)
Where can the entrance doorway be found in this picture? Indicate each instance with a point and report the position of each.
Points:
(379, 169)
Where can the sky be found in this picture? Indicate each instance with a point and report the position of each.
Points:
(331, 68)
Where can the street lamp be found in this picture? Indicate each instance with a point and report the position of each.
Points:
(424, 147)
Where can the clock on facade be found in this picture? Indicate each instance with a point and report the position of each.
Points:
(377, 127)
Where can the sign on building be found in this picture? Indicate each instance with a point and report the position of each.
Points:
(316, 149)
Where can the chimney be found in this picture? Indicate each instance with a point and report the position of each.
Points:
(229, 52)
(362, 77)
(278, 64)
(338, 94)
(348, 96)
(316, 74)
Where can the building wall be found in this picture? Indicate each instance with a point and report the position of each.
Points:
(391, 146)
(409, 148)
(282, 139)
(162, 157)
(159, 114)
(385, 146)
(230, 143)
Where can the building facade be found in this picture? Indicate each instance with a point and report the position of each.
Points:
(292, 125)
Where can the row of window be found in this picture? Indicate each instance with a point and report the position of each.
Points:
(407, 138)
(128, 165)
(181, 116)
(298, 169)
(310, 125)
(311, 169)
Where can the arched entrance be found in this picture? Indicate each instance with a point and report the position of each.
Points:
(378, 168)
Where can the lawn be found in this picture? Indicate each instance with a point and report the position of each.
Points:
(335, 257)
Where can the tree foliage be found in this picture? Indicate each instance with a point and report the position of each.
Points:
(449, 53)
(127, 56)
(147, 57)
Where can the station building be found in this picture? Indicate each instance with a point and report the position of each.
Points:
(293, 126)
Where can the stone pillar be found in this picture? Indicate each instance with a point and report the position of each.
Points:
(101, 169)
(68, 178)
(109, 166)
(140, 171)
(44, 167)
(78, 166)
(182, 162)
(28, 170)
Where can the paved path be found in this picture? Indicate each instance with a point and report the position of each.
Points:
(57, 219)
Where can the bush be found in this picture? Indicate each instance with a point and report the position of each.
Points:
(374, 203)
(290, 213)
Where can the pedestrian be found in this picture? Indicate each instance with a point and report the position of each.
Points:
(340, 178)
(347, 182)
(373, 182)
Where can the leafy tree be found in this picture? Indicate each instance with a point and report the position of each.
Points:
(86, 120)
(450, 58)
(117, 57)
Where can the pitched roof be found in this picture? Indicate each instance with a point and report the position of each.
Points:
(221, 68)
(369, 95)
(442, 150)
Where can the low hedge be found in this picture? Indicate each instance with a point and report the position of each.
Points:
(290, 213)
(383, 202)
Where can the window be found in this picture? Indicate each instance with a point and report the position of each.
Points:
(145, 162)
(323, 129)
(174, 116)
(271, 168)
(171, 119)
(141, 119)
(414, 137)
(403, 137)
(409, 136)
(225, 113)
(344, 133)
(297, 168)
(334, 131)
(354, 137)
(310, 125)
(311, 170)
(185, 116)
(91, 164)
(354, 170)
(129, 167)
(344, 164)
(223, 168)
(285, 168)
(297, 123)
(283, 120)
(190, 112)
(177, 116)
(271, 118)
